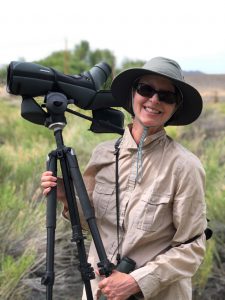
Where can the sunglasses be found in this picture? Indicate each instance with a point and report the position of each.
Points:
(146, 90)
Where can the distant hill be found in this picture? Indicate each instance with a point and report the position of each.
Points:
(210, 86)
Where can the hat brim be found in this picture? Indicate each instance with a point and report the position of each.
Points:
(187, 113)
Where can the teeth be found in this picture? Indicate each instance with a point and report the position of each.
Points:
(152, 110)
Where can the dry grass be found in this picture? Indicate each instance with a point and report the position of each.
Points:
(22, 208)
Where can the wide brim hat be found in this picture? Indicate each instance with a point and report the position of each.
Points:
(191, 105)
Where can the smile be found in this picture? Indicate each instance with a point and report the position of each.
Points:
(152, 110)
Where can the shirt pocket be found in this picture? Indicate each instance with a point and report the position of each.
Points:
(102, 196)
(153, 209)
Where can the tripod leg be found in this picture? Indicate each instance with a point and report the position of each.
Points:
(49, 277)
(105, 266)
(77, 235)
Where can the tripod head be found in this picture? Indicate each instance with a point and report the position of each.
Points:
(105, 120)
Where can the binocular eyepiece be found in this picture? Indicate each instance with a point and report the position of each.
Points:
(126, 265)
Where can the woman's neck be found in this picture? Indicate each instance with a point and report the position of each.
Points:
(137, 130)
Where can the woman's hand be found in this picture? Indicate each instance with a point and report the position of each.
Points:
(118, 286)
(48, 181)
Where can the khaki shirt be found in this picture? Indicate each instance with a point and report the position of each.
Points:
(157, 215)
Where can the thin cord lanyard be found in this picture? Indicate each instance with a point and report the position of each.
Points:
(116, 153)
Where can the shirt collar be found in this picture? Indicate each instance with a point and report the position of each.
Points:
(128, 141)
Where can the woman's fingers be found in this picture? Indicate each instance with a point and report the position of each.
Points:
(47, 182)
(46, 191)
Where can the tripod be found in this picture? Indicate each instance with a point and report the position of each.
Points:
(71, 176)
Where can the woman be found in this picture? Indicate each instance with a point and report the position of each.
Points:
(161, 211)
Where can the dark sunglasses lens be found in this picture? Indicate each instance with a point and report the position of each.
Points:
(145, 90)
(167, 97)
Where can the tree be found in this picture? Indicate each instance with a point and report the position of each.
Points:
(128, 63)
(81, 59)
(82, 51)
(54, 60)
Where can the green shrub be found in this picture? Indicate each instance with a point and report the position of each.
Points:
(12, 270)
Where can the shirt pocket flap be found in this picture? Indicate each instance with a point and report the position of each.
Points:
(158, 199)
(153, 211)
(104, 189)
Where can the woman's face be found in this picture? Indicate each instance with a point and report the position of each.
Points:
(149, 111)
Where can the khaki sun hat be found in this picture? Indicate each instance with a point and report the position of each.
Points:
(191, 106)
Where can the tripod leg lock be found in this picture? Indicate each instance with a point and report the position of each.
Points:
(87, 272)
(77, 235)
(106, 267)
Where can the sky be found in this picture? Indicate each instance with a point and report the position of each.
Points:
(192, 32)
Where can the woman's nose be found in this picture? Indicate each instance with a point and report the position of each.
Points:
(155, 98)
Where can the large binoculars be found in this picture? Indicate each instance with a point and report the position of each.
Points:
(126, 265)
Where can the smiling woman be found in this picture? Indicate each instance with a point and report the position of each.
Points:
(154, 212)
(154, 102)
